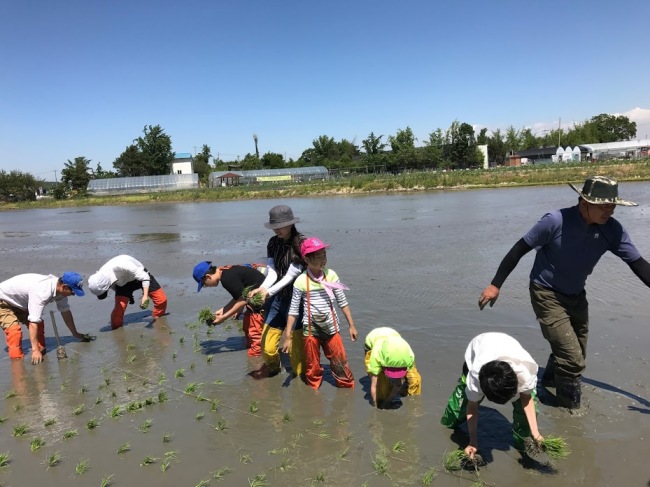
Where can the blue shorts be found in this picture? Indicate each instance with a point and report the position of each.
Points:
(276, 313)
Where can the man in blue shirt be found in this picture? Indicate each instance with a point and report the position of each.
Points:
(569, 244)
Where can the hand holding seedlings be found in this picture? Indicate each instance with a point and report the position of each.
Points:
(145, 303)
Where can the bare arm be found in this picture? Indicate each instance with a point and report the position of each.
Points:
(529, 411)
(69, 322)
(233, 308)
(37, 356)
(373, 390)
(348, 316)
(286, 338)
(472, 426)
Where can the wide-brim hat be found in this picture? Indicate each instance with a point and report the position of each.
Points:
(281, 216)
(601, 190)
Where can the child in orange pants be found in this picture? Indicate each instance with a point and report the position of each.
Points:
(235, 279)
(317, 288)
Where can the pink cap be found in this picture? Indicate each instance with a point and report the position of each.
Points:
(311, 245)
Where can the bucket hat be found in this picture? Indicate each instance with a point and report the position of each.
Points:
(99, 283)
(280, 216)
(601, 190)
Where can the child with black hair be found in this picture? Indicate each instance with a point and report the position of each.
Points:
(235, 279)
(497, 367)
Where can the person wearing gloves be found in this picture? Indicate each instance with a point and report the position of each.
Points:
(390, 363)
(497, 367)
(125, 275)
(22, 300)
(569, 243)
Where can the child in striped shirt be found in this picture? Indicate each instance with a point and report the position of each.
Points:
(316, 289)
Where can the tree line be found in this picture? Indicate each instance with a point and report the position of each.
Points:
(454, 148)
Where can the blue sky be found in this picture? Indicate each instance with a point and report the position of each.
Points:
(82, 78)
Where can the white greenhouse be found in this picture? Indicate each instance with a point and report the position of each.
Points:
(143, 184)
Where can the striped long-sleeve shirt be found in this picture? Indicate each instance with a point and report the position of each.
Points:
(324, 320)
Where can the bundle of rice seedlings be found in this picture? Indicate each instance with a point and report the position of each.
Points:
(256, 302)
(206, 315)
(145, 305)
(555, 447)
(459, 460)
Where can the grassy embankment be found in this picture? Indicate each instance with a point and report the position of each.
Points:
(373, 183)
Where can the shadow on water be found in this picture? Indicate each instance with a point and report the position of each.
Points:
(230, 344)
(548, 399)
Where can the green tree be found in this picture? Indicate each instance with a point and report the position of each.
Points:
(99, 172)
(250, 162)
(496, 147)
(434, 148)
(325, 149)
(201, 163)
(403, 140)
(156, 146)
(272, 160)
(461, 145)
(512, 140)
(610, 128)
(132, 162)
(18, 186)
(76, 175)
(373, 144)
(347, 149)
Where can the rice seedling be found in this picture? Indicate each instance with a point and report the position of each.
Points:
(134, 406)
(149, 401)
(287, 417)
(63, 386)
(341, 420)
(3, 419)
(49, 422)
(181, 340)
(144, 427)
(113, 394)
(285, 465)
(10, 394)
(21, 429)
(200, 397)
(342, 456)
(174, 355)
(107, 381)
(203, 483)
(323, 435)
(129, 390)
(179, 373)
(4, 459)
(131, 358)
(555, 447)
(170, 457)
(36, 444)
(429, 476)
(380, 464)
(218, 474)
(161, 379)
(319, 423)
(191, 388)
(167, 437)
(204, 315)
(319, 478)
(347, 438)
(106, 481)
(245, 459)
(17, 407)
(253, 407)
(145, 382)
(83, 389)
(399, 447)
(127, 375)
(91, 424)
(162, 396)
(79, 409)
(199, 415)
(215, 404)
(123, 448)
(192, 366)
(69, 434)
(220, 426)
(129, 347)
(256, 302)
(209, 358)
(458, 459)
(98, 400)
(279, 451)
(115, 411)
(53, 459)
(82, 466)
(478, 483)
(258, 481)
(148, 460)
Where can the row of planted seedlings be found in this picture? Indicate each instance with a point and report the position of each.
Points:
(130, 395)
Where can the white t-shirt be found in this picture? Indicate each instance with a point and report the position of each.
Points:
(31, 293)
(498, 346)
(124, 269)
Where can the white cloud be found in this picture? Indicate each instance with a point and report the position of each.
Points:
(642, 118)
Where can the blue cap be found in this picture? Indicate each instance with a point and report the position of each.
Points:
(74, 281)
(200, 270)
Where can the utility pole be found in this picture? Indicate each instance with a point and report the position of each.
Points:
(55, 179)
(559, 132)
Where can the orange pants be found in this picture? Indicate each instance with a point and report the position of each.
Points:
(14, 336)
(121, 302)
(253, 323)
(335, 353)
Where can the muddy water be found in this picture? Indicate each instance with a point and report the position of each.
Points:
(415, 262)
